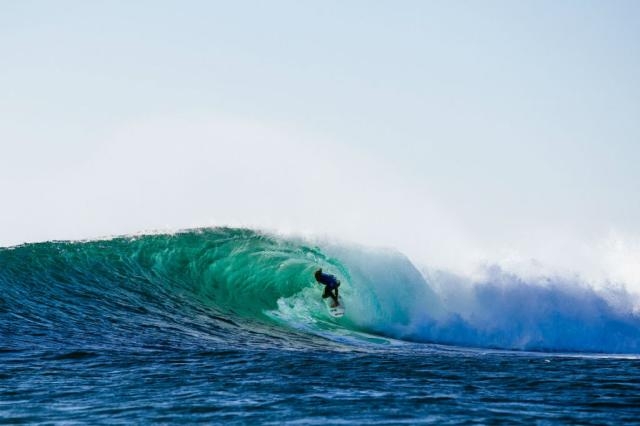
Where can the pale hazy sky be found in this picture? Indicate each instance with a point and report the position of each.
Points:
(436, 127)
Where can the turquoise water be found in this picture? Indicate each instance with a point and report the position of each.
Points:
(227, 325)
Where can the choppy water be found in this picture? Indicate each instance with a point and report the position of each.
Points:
(226, 325)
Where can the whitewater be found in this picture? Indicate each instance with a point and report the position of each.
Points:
(227, 325)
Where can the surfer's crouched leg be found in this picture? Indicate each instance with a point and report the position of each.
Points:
(327, 293)
(334, 296)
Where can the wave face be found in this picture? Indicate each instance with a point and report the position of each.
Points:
(240, 287)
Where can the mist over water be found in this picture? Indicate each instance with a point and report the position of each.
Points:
(169, 173)
(439, 282)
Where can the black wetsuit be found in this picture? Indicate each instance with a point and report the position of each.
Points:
(330, 282)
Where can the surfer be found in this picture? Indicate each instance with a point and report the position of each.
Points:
(331, 284)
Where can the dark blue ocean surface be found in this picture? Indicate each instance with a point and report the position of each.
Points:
(227, 326)
(407, 384)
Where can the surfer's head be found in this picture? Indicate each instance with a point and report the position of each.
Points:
(318, 272)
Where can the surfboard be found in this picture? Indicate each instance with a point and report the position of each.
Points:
(335, 311)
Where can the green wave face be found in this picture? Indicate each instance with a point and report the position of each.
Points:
(237, 271)
(243, 275)
(244, 271)
(233, 286)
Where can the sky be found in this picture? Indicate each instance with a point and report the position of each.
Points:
(455, 131)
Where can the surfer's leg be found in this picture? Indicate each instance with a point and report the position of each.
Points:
(326, 293)
(335, 297)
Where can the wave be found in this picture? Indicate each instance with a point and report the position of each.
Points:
(245, 288)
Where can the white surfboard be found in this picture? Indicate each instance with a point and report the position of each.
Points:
(335, 311)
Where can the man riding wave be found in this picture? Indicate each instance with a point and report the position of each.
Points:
(331, 284)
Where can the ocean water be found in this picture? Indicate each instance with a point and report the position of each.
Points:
(227, 326)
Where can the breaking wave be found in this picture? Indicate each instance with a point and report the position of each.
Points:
(243, 287)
